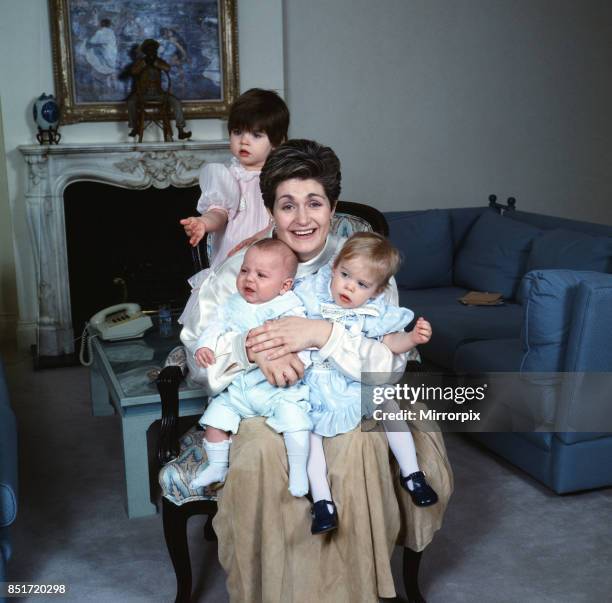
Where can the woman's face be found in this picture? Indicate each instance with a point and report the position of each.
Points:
(302, 213)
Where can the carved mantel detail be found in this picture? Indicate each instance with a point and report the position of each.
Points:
(162, 169)
(50, 169)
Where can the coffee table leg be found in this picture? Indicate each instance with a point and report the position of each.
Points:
(136, 459)
(100, 397)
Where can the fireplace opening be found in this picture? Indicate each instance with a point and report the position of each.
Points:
(126, 245)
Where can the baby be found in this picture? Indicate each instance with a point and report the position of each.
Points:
(350, 291)
(264, 293)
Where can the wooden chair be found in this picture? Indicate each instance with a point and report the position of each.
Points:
(180, 456)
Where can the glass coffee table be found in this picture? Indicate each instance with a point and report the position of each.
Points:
(122, 381)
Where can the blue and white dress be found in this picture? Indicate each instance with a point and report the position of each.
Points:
(335, 399)
(250, 394)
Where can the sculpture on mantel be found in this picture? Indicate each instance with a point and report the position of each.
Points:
(149, 93)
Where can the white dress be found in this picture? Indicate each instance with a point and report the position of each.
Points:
(335, 398)
(250, 394)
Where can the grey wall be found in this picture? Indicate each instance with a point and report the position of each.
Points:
(437, 103)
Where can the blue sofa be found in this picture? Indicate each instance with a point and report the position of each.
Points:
(554, 275)
(8, 473)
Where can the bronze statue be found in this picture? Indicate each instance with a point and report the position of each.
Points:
(147, 73)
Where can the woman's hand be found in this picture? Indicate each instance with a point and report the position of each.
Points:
(289, 334)
(280, 372)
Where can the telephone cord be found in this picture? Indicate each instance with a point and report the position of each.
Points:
(86, 338)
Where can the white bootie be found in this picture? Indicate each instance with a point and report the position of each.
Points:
(218, 464)
(297, 454)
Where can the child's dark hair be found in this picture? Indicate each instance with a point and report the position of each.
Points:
(376, 251)
(258, 110)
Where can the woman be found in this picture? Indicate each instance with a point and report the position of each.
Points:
(265, 544)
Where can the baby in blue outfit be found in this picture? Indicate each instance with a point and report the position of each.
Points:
(350, 291)
(264, 293)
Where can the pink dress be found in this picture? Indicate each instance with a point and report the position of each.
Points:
(235, 191)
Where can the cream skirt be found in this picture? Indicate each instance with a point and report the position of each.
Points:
(265, 545)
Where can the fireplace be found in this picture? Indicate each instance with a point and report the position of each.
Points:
(126, 245)
(73, 191)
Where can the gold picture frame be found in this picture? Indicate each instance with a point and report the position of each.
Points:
(94, 41)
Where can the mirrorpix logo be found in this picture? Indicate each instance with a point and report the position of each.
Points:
(386, 398)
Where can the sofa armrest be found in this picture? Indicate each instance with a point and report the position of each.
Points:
(8, 456)
(567, 319)
(585, 409)
(589, 347)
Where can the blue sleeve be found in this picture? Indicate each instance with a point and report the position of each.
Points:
(392, 320)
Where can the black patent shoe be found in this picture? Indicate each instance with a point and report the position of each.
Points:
(422, 494)
(322, 520)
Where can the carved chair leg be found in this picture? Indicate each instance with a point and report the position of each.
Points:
(209, 533)
(175, 532)
(411, 563)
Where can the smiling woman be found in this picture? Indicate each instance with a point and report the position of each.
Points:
(265, 544)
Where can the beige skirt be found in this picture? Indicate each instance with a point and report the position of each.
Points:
(265, 545)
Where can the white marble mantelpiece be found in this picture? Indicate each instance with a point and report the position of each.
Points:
(50, 169)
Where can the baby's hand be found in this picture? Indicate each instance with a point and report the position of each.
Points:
(422, 331)
(205, 357)
(195, 229)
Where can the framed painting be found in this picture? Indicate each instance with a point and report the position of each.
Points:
(95, 42)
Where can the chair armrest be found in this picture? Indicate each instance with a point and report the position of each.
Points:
(168, 383)
(8, 456)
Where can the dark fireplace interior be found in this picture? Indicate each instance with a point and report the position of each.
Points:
(127, 245)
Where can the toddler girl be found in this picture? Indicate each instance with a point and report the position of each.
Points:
(231, 203)
(350, 291)
(263, 284)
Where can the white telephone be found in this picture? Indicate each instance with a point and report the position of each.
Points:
(123, 321)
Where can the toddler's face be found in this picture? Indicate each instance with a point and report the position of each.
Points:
(353, 283)
(262, 276)
(250, 148)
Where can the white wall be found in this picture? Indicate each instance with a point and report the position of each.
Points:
(8, 295)
(438, 103)
(26, 71)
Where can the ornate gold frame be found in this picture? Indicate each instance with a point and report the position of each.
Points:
(73, 112)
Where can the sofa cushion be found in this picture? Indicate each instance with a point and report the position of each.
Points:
(495, 356)
(454, 324)
(425, 241)
(493, 255)
(571, 250)
(547, 301)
